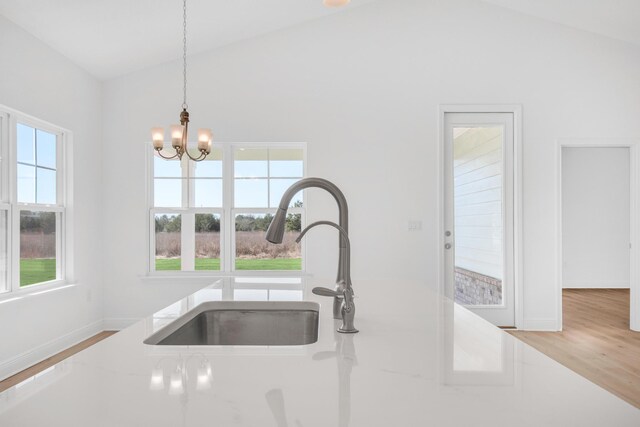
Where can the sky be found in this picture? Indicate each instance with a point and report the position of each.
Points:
(36, 155)
(257, 183)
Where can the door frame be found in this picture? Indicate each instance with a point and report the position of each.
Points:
(633, 144)
(516, 110)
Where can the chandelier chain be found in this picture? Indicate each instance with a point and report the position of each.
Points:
(184, 53)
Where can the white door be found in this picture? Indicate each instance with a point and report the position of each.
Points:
(479, 213)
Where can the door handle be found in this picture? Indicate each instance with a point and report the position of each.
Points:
(447, 246)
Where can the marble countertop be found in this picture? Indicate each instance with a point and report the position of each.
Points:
(419, 360)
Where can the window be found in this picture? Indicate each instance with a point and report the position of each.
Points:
(32, 202)
(211, 216)
(261, 176)
(186, 213)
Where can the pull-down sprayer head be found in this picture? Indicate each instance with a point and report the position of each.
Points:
(275, 233)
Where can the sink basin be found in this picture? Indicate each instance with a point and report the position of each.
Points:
(243, 323)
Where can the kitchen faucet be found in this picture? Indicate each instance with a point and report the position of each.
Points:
(275, 233)
(347, 306)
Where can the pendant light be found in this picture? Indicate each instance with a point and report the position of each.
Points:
(180, 133)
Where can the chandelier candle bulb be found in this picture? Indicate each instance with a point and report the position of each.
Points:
(204, 139)
(176, 136)
(157, 135)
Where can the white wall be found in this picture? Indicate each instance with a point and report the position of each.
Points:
(36, 80)
(363, 89)
(477, 189)
(595, 217)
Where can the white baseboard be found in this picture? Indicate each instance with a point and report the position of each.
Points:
(118, 323)
(595, 285)
(546, 325)
(43, 351)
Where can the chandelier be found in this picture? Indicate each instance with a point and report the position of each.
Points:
(180, 133)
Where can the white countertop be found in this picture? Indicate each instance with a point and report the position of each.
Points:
(419, 360)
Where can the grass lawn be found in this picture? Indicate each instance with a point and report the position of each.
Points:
(269, 264)
(37, 270)
(201, 264)
(241, 264)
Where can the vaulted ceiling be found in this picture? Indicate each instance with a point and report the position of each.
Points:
(618, 19)
(110, 38)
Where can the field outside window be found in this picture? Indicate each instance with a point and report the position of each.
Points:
(168, 237)
(207, 229)
(254, 252)
(195, 205)
(37, 247)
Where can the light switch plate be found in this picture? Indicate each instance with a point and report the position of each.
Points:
(415, 225)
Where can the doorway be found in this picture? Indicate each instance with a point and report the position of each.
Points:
(479, 212)
(598, 226)
(595, 218)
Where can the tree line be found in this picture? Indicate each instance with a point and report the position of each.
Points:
(43, 222)
(207, 223)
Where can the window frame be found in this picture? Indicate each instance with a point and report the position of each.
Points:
(227, 214)
(9, 119)
(5, 204)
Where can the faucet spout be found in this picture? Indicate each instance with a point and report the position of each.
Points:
(275, 232)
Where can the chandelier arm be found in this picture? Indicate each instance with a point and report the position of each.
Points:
(166, 157)
(203, 155)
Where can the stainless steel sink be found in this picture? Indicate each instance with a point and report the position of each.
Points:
(243, 323)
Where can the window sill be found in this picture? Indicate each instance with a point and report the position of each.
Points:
(210, 278)
(36, 290)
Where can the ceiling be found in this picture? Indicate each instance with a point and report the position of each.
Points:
(618, 19)
(110, 38)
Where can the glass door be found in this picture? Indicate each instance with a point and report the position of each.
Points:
(479, 247)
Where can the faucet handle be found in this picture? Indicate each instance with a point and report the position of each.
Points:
(347, 307)
(325, 292)
(346, 295)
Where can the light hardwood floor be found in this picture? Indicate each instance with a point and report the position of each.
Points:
(596, 341)
(39, 367)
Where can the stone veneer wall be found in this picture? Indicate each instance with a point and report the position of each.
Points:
(477, 289)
